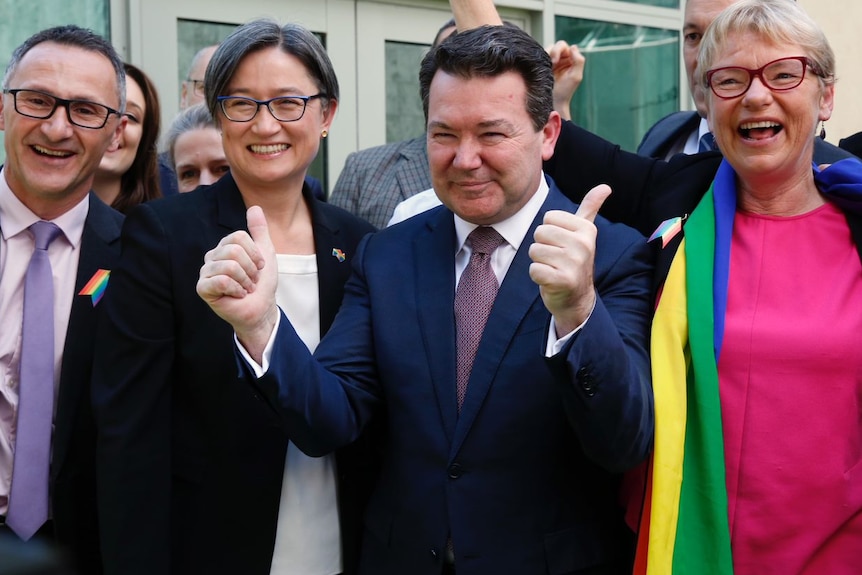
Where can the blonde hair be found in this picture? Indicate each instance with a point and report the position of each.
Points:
(781, 22)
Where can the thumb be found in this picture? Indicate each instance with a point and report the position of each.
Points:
(592, 202)
(258, 228)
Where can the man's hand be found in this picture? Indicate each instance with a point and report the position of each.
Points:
(563, 254)
(238, 281)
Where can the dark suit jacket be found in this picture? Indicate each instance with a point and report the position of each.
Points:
(191, 460)
(669, 130)
(376, 180)
(646, 191)
(852, 144)
(525, 477)
(73, 468)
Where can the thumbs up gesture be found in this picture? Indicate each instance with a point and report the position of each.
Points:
(563, 254)
(238, 281)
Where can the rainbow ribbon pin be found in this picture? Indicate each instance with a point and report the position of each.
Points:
(667, 230)
(339, 255)
(95, 288)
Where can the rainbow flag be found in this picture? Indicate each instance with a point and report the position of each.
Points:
(95, 288)
(684, 527)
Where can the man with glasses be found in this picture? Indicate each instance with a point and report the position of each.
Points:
(192, 91)
(191, 94)
(61, 108)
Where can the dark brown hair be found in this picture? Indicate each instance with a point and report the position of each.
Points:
(140, 183)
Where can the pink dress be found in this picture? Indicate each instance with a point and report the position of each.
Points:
(790, 377)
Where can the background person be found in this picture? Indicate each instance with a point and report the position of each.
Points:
(193, 146)
(61, 109)
(128, 173)
(190, 461)
(191, 93)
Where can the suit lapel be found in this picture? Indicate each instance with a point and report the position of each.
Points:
(332, 269)
(230, 208)
(100, 249)
(434, 257)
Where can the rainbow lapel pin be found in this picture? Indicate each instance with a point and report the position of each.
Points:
(338, 254)
(95, 288)
(667, 230)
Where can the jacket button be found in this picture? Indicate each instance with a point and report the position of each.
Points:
(455, 471)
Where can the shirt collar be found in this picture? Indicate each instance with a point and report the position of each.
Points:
(702, 128)
(15, 217)
(514, 228)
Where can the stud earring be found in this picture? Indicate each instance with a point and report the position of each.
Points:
(324, 133)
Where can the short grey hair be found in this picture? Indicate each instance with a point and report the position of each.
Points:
(293, 39)
(78, 37)
(780, 22)
(195, 117)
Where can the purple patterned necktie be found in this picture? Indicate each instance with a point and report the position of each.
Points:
(28, 500)
(473, 301)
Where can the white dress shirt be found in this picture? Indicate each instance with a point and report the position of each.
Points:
(16, 248)
(308, 536)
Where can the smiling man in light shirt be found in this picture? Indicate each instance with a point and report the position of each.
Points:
(61, 107)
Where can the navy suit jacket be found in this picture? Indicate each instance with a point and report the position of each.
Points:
(191, 460)
(669, 130)
(525, 478)
(73, 467)
(377, 179)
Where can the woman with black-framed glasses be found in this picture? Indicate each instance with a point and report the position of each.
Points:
(197, 473)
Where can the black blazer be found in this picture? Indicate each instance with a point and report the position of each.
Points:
(852, 144)
(190, 458)
(73, 470)
(646, 191)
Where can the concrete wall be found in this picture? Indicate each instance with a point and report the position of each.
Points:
(841, 19)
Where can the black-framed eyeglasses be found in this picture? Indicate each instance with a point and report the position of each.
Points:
(42, 105)
(779, 75)
(197, 86)
(282, 108)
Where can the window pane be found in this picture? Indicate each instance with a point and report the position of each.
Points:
(21, 20)
(404, 116)
(661, 3)
(631, 78)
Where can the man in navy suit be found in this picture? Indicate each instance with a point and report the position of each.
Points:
(687, 132)
(62, 106)
(521, 474)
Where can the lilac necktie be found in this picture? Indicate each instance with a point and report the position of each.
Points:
(28, 500)
(473, 301)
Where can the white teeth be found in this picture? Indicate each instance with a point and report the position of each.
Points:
(268, 149)
(755, 125)
(47, 152)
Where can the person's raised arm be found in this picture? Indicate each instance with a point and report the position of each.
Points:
(474, 13)
(568, 66)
